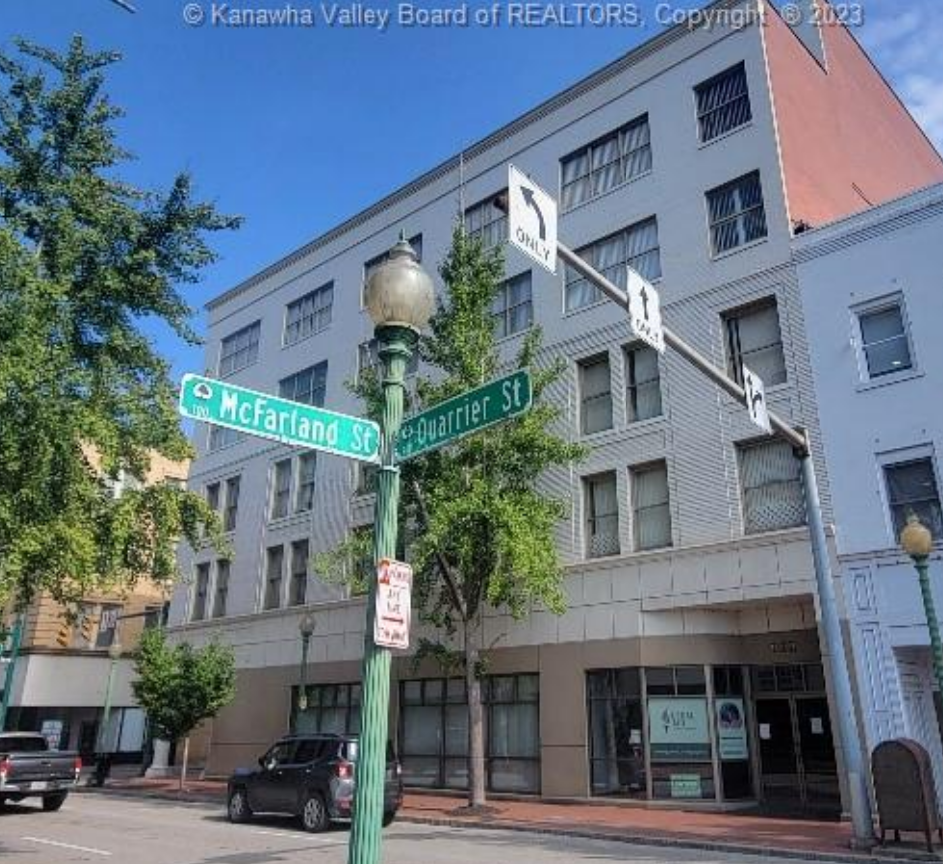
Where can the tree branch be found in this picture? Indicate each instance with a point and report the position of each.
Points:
(447, 572)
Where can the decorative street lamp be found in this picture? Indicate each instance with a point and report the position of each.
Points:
(399, 297)
(103, 762)
(306, 629)
(917, 542)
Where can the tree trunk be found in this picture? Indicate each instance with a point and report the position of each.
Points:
(476, 726)
(183, 765)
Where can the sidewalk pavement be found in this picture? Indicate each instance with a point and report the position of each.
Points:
(803, 839)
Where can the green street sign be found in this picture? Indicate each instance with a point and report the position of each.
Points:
(279, 419)
(498, 400)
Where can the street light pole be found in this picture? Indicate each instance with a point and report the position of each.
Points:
(102, 766)
(399, 298)
(306, 629)
(15, 639)
(917, 542)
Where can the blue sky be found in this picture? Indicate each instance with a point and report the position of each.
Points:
(297, 128)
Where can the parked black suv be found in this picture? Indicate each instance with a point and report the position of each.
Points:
(309, 776)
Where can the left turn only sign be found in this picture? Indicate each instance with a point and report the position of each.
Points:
(533, 219)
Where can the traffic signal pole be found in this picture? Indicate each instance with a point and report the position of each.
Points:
(15, 640)
(833, 653)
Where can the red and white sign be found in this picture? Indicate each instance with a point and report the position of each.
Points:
(394, 604)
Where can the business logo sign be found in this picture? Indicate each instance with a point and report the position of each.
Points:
(678, 730)
(731, 729)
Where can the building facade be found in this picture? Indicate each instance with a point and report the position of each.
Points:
(689, 654)
(870, 289)
(61, 674)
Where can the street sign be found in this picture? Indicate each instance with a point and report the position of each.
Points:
(281, 420)
(756, 400)
(472, 411)
(532, 217)
(394, 604)
(645, 310)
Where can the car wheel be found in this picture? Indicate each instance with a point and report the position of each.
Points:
(388, 818)
(51, 803)
(314, 816)
(238, 806)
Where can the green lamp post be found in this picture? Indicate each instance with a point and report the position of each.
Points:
(399, 297)
(114, 655)
(306, 628)
(917, 542)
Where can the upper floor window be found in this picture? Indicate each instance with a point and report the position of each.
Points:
(281, 489)
(642, 383)
(200, 591)
(595, 395)
(368, 357)
(213, 496)
(232, 503)
(377, 260)
(486, 222)
(513, 307)
(723, 103)
(754, 340)
(608, 162)
(239, 350)
(884, 339)
(274, 565)
(912, 489)
(107, 625)
(307, 469)
(221, 596)
(308, 386)
(309, 314)
(635, 246)
(222, 436)
(299, 573)
(601, 505)
(771, 486)
(368, 477)
(736, 213)
(651, 514)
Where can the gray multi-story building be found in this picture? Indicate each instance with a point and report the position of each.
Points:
(688, 567)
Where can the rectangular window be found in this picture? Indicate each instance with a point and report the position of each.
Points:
(307, 468)
(212, 496)
(200, 591)
(376, 261)
(651, 514)
(299, 573)
(772, 487)
(754, 340)
(616, 732)
(912, 489)
(602, 515)
(281, 489)
(107, 625)
(368, 357)
(513, 307)
(606, 163)
(884, 340)
(223, 436)
(239, 350)
(723, 103)
(595, 395)
(331, 709)
(307, 386)
(736, 213)
(635, 246)
(222, 588)
(309, 314)
(643, 383)
(274, 564)
(486, 222)
(232, 503)
(367, 477)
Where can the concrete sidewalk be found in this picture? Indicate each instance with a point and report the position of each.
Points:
(803, 839)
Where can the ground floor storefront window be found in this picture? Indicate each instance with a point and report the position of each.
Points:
(331, 708)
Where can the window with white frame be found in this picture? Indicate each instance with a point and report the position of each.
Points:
(281, 489)
(595, 394)
(513, 307)
(299, 573)
(601, 507)
(274, 565)
(308, 386)
(309, 314)
(221, 437)
(200, 590)
(642, 383)
(487, 222)
(723, 103)
(240, 349)
(368, 357)
(377, 260)
(232, 503)
(736, 213)
(635, 246)
(651, 513)
(884, 340)
(771, 486)
(606, 163)
(754, 340)
(912, 489)
(221, 594)
(307, 469)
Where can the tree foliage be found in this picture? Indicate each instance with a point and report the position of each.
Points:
(85, 258)
(179, 686)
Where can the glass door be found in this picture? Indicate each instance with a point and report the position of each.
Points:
(777, 743)
(817, 753)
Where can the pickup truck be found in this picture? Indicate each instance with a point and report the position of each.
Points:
(29, 769)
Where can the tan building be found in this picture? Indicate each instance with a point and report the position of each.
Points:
(61, 674)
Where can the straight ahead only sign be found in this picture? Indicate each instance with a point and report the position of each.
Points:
(645, 310)
(532, 215)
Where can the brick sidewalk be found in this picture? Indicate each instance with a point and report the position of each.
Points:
(795, 838)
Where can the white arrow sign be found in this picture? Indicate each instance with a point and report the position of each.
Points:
(645, 311)
(532, 215)
(756, 400)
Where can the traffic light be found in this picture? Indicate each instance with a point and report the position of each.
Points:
(88, 626)
(64, 636)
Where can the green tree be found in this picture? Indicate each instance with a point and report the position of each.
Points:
(179, 686)
(476, 524)
(85, 259)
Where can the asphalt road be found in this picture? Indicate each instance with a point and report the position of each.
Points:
(100, 828)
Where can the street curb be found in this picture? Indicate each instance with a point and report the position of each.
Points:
(140, 795)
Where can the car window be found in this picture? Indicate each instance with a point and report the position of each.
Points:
(309, 750)
(35, 744)
(281, 753)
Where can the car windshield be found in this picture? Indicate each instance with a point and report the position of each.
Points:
(32, 744)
